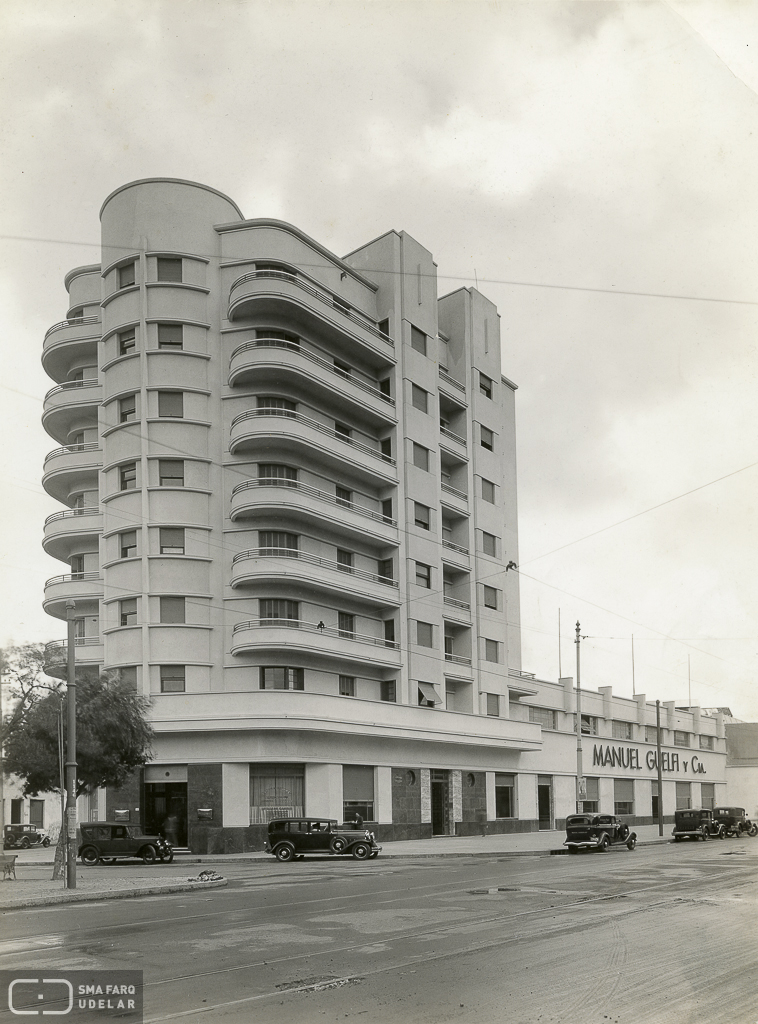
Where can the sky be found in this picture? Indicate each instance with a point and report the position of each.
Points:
(590, 166)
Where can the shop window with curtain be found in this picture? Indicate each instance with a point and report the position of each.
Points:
(623, 796)
(707, 795)
(357, 792)
(505, 795)
(591, 803)
(683, 796)
(276, 791)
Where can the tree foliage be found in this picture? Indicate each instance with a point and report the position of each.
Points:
(24, 683)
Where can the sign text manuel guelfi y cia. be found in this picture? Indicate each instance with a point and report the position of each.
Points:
(629, 757)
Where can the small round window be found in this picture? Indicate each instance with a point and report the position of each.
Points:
(410, 777)
(470, 779)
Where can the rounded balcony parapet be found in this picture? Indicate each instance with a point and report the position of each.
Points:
(314, 492)
(310, 559)
(72, 385)
(74, 321)
(322, 428)
(73, 449)
(69, 513)
(320, 629)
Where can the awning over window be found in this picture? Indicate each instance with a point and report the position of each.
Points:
(428, 693)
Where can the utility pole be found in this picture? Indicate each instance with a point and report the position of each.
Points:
(660, 765)
(2, 776)
(633, 689)
(581, 785)
(70, 823)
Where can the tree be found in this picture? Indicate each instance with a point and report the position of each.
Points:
(113, 737)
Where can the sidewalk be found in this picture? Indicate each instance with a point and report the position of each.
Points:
(98, 886)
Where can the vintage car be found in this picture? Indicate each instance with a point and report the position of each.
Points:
(292, 838)
(597, 832)
(696, 823)
(108, 841)
(24, 836)
(734, 821)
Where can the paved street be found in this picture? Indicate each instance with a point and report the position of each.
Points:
(664, 934)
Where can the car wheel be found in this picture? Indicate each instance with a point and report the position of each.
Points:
(722, 834)
(604, 842)
(753, 830)
(631, 842)
(624, 833)
(338, 844)
(90, 855)
(167, 858)
(361, 851)
(46, 841)
(149, 855)
(285, 852)
(24, 843)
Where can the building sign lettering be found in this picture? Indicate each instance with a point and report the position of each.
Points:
(629, 757)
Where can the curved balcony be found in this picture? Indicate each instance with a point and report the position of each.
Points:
(68, 342)
(269, 360)
(285, 565)
(69, 404)
(88, 654)
(72, 468)
(303, 502)
(63, 528)
(297, 638)
(86, 588)
(270, 429)
(300, 299)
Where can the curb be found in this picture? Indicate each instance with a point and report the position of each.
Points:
(111, 894)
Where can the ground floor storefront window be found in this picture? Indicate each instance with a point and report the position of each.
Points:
(707, 795)
(683, 796)
(591, 803)
(276, 791)
(505, 799)
(357, 792)
(623, 796)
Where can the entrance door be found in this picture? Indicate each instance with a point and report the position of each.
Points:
(545, 802)
(166, 811)
(440, 779)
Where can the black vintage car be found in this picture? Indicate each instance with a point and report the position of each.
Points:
(291, 838)
(24, 836)
(108, 841)
(734, 821)
(696, 823)
(597, 832)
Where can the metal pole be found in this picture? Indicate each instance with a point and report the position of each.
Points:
(70, 823)
(660, 765)
(560, 672)
(633, 690)
(2, 767)
(580, 783)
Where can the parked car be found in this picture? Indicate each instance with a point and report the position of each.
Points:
(108, 841)
(597, 832)
(696, 823)
(24, 836)
(292, 838)
(734, 821)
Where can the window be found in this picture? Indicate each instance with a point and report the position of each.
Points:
(127, 341)
(420, 457)
(488, 491)
(127, 275)
(707, 795)
(342, 431)
(706, 743)
(278, 612)
(172, 609)
(77, 567)
(623, 796)
(485, 386)
(281, 678)
(344, 496)
(589, 725)
(654, 799)
(127, 610)
(486, 438)
(591, 802)
(493, 705)
(489, 544)
(384, 328)
(385, 387)
(387, 509)
(347, 686)
(172, 540)
(490, 597)
(421, 516)
(37, 813)
(426, 694)
(343, 369)
(127, 476)
(423, 575)
(385, 447)
(425, 634)
(385, 568)
(683, 796)
(344, 560)
(622, 730)
(172, 679)
(419, 398)
(277, 475)
(491, 650)
(274, 542)
(268, 405)
(127, 409)
(127, 676)
(542, 716)
(651, 734)
(681, 739)
(418, 340)
(276, 791)
(171, 336)
(128, 543)
(171, 403)
(346, 624)
(505, 789)
(171, 472)
(389, 632)
(388, 690)
(169, 268)
(357, 792)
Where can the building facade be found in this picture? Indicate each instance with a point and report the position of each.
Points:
(289, 483)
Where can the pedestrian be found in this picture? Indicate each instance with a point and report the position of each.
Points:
(170, 827)
(358, 819)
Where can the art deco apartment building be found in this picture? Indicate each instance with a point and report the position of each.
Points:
(290, 491)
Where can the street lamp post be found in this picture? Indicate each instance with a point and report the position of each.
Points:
(581, 785)
(70, 823)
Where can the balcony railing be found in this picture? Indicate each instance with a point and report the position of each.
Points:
(455, 547)
(312, 627)
(86, 510)
(454, 490)
(324, 563)
(354, 376)
(319, 292)
(57, 648)
(451, 380)
(464, 605)
(453, 437)
(73, 322)
(315, 425)
(73, 449)
(455, 659)
(74, 577)
(71, 385)
(315, 492)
